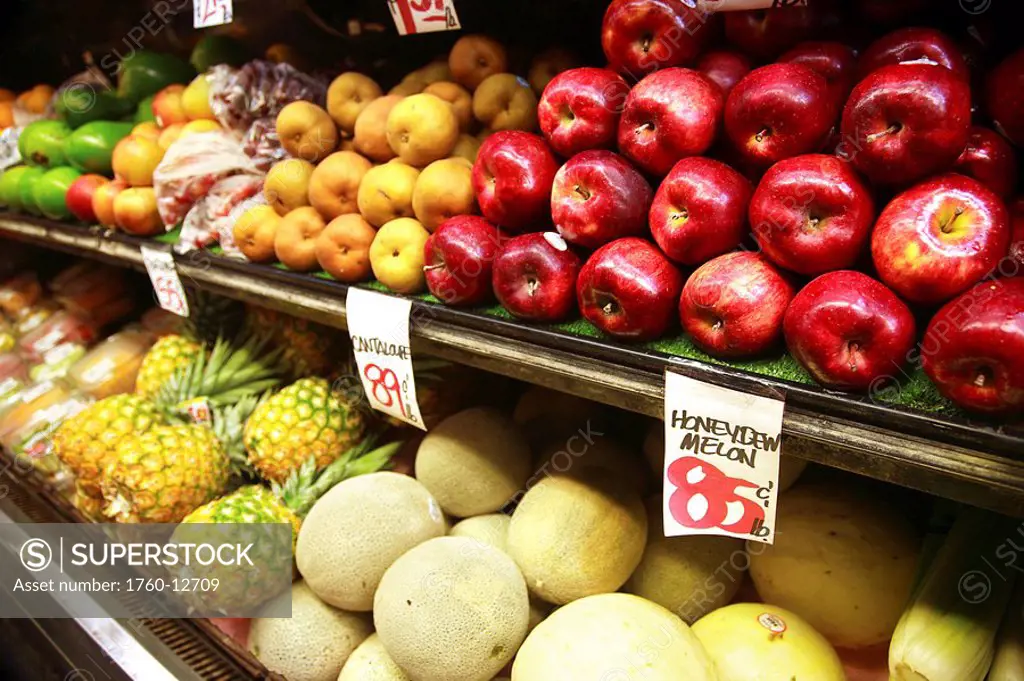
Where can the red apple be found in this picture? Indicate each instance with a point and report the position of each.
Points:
(1004, 93)
(812, 214)
(700, 210)
(580, 110)
(973, 349)
(733, 306)
(79, 197)
(724, 68)
(535, 277)
(835, 61)
(641, 36)
(669, 115)
(458, 259)
(764, 34)
(905, 122)
(599, 197)
(629, 289)
(512, 179)
(779, 111)
(927, 46)
(990, 159)
(849, 331)
(936, 240)
(1015, 267)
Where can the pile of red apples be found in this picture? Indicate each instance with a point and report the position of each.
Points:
(764, 190)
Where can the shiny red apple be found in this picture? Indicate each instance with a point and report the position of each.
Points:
(641, 36)
(779, 111)
(1014, 267)
(724, 68)
(849, 331)
(905, 122)
(79, 197)
(973, 349)
(812, 214)
(458, 259)
(1004, 96)
(914, 45)
(990, 159)
(733, 306)
(669, 115)
(629, 289)
(580, 110)
(598, 197)
(939, 238)
(700, 210)
(835, 61)
(535, 277)
(765, 34)
(512, 179)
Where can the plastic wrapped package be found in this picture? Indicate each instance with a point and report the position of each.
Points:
(202, 225)
(8, 336)
(13, 376)
(60, 329)
(19, 292)
(191, 167)
(97, 293)
(259, 89)
(262, 143)
(31, 317)
(57, 362)
(27, 425)
(110, 367)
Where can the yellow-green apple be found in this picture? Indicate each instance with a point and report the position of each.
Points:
(629, 289)
(905, 122)
(725, 68)
(459, 257)
(849, 331)
(765, 34)
(641, 36)
(779, 111)
(135, 211)
(168, 107)
(1004, 97)
(914, 45)
(548, 64)
(835, 61)
(535, 277)
(939, 238)
(812, 214)
(512, 178)
(973, 349)
(700, 210)
(733, 305)
(396, 255)
(580, 110)
(990, 159)
(504, 101)
(79, 196)
(598, 197)
(473, 58)
(669, 115)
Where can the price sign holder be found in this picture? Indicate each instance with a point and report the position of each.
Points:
(379, 327)
(722, 450)
(206, 13)
(424, 16)
(170, 294)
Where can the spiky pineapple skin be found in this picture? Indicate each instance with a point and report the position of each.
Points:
(305, 419)
(164, 474)
(86, 441)
(310, 349)
(168, 355)
(249, 504)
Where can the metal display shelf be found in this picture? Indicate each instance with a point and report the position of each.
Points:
(976, 463)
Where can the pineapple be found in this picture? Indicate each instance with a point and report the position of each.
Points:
(310, 349)
(167, 356)
(308, 419)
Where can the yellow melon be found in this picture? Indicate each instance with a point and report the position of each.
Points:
(371, 662)
(489, 529)
(575, 454)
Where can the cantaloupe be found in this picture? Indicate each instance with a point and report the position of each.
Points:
(754, 642)
(474, 462)
(576, 536)
(371, 662)
(490, 529)
(358, 529)
(452, 609)
(691, 576)
(844, 560)
(311, 645)
(612, 637)
(570, 456)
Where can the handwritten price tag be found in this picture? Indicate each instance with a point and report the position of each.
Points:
(722, 450)
(206, 13)
(170, 294)
(379, 327)
(424, 16)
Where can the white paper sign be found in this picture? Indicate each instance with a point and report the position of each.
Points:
(170, 294)
(206, 13)
(722, 450)
(424, 16)
(379, 327)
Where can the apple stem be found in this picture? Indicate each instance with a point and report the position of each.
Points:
(531, 286)
(431, 268)
(645, 127)
(892, 129)
(983, 377)
(947, 226)
(582, 192)
(764, 133)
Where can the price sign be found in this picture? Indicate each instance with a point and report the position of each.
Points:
(379, 327)
(722, 450)
(206, 13)
(170, 294)
(424, 16)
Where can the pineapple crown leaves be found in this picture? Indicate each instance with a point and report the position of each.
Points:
(305, 486)
(229, 426)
